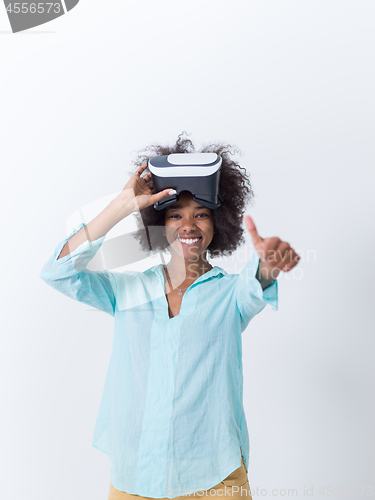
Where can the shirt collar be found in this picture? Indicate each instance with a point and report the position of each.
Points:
(216, 270)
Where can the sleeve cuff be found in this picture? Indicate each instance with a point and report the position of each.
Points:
(74, 262)
(250, 289)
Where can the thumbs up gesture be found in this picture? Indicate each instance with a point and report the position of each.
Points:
(275, 255)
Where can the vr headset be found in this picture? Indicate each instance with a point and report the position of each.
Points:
(198, 173)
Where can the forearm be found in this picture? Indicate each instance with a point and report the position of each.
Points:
(117, 210)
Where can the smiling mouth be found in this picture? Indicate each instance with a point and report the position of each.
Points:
(188, 242)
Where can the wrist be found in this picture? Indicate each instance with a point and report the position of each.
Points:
(123, 205)
(264, 281)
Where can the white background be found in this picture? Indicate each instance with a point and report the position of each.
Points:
(291, 84)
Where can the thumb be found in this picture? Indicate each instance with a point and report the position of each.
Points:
(252, 230)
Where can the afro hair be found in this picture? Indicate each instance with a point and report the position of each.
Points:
(234, 187)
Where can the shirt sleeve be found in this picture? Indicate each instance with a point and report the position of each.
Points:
(250, 296)
(69, 275)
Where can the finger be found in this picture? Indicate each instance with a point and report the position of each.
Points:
(292, 260)
(252, 230)
(146, 177)
(141, 169)
(277, 254)
(267, 250)
(162, 194)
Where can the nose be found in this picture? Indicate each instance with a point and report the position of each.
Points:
(188, 224)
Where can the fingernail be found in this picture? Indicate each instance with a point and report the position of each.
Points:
(173, 191)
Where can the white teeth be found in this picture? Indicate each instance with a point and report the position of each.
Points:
(189, 241)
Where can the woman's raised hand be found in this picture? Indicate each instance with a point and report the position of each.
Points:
(139, 191)
(275, 255)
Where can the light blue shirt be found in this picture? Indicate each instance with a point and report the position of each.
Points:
(171, 417)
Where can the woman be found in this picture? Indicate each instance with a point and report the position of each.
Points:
(171, 417)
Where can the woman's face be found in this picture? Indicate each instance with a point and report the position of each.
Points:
(189, 227)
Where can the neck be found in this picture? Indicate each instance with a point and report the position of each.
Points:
(181, 270)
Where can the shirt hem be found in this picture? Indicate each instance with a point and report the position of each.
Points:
(181, 491)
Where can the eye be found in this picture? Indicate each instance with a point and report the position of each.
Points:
(200, 215)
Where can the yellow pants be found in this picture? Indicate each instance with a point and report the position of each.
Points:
(235, 486)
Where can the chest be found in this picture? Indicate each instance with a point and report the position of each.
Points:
(174, 302)
(208, 325)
